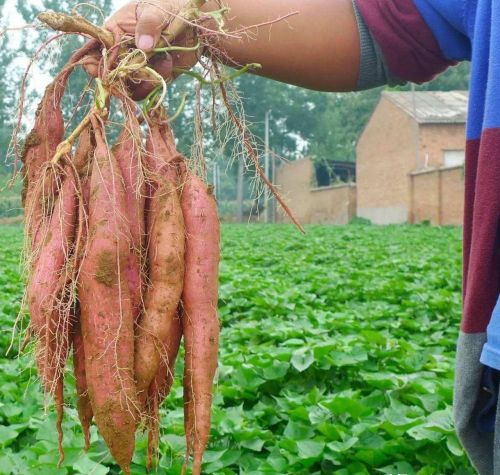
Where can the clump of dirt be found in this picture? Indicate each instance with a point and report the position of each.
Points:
(106, 269)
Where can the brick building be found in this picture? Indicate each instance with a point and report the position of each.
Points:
(410, 159)
(409, 167)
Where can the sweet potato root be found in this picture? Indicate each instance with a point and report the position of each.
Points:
(161, 386)
(127, 151)
(166, 273)
(40, 145)
(200, 321)
(83, 405)
(82, 161)
(165, 256)
(106, 309)
(49, 304)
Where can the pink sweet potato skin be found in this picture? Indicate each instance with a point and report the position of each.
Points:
(83, 405)
(166, 273)
(161, 153)
(165, 256)
(200, 321)
(50, 311)
(48, 278)
(128, 156)
(161, 386)
(82, 161)
(40, 145)
(106, 309)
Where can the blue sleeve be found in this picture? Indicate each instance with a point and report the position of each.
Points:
(449, 20)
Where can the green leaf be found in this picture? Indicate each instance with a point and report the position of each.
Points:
(310, 448)
(454, 445)
(87, 466)
(277, 461)
(176, 442)
(398, 468)
(302, 359)
(343, 446)
(255, 444)
(7, 435)
(277, 370)
(298, 431)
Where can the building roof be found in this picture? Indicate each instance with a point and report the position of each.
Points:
(432, 107)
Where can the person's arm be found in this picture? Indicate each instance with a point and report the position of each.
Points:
(317, 48)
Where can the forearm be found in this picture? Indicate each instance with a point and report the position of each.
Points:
(318, 48)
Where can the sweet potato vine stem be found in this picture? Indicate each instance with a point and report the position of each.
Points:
(77, 24)
(65, 147)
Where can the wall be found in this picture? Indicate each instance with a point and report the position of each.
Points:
(437, 196)
(435, 138)
(329, 205)
(386, 154)
(453, 197)
(332, 205)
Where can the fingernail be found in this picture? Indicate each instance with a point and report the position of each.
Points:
(145, 42)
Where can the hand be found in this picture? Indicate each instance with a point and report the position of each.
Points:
(145, 20)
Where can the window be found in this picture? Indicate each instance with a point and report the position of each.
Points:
(334, 172)
(454, 158)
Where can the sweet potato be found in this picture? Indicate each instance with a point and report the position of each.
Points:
(165, 256)
(50, 309)
(161, 150)
(200, 320)
(161, 386)
(83, 405)
(82, 161)
(106, 309)
(128, 155)
(40, 145)
(165, 252)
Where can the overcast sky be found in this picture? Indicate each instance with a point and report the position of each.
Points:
(10, 17)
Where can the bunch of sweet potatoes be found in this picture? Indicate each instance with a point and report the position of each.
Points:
(124, 254)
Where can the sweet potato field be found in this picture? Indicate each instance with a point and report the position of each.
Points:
(337, 353)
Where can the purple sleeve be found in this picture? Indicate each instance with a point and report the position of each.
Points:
(408, 44)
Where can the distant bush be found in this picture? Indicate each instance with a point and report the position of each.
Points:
(228, 210)
(10, 197)
(10, 206)
(360, 221)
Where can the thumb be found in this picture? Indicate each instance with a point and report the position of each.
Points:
(150, 22)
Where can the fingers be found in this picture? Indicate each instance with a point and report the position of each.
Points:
(151, 19)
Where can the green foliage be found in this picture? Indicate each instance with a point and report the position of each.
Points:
(337, 358)
(10, 197)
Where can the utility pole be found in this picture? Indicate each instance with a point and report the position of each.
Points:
(267, 171)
